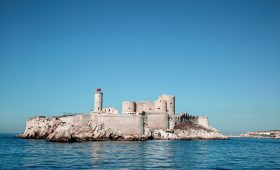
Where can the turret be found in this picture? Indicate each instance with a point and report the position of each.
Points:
(98, 100)
(160, 106)
(129, 107)
(170, 101)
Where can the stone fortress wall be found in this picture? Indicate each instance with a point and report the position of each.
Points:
(110, 110)
(164, 104)
(158, 114)
(156, 121)
(139, 120)
(185, 117)
(145, 106)
(201, 120)
(127, 124)
(76, 118)
(155, 116)
(135, 115)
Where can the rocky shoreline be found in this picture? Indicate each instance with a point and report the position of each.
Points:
(262, 134)
(53, 129)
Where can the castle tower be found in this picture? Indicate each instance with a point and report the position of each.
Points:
(129, 107)
(98, 100)
(161, 106)
(170, 100)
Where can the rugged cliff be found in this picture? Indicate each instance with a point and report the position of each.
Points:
(57, 130)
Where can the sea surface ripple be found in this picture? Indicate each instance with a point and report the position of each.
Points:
(237, 153)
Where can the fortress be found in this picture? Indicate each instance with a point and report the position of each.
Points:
(140, 120)
(136, 116)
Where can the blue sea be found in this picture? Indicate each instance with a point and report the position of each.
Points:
(236, 153)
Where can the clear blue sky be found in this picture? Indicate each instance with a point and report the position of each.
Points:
(219, 58)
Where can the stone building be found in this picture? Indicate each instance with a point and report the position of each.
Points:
(136, 115)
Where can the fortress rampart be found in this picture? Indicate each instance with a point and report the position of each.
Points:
(158, 114)
(157, 121)
(127, 124)
(76, 118)
(185, 117)
(139, 120)
(135, 116)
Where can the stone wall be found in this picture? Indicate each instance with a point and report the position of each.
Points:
(110, 110)
(203, 120)
(67, 119)
(156, 120)
(171, 121)
(160, 106)
(144, 106)
(185, 117)
(128, 124)
(75, 118)
(200, 120)
(163, 104)
(129, 107)
(85, 117)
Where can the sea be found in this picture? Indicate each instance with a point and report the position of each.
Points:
(235, 153)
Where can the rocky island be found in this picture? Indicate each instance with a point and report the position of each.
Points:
(143, 120)
(262, 134)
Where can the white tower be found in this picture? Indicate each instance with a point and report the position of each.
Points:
(98, 99)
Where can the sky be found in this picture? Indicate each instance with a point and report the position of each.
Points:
(220, 58)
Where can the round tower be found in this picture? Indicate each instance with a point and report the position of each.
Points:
(128, 107)
(170, 100)
(98, 100)
(160, 106)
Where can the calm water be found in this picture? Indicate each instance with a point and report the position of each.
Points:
(237, 153)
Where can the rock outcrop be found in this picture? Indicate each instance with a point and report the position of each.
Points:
(55, 129)
(189, 133)
(262, 134)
